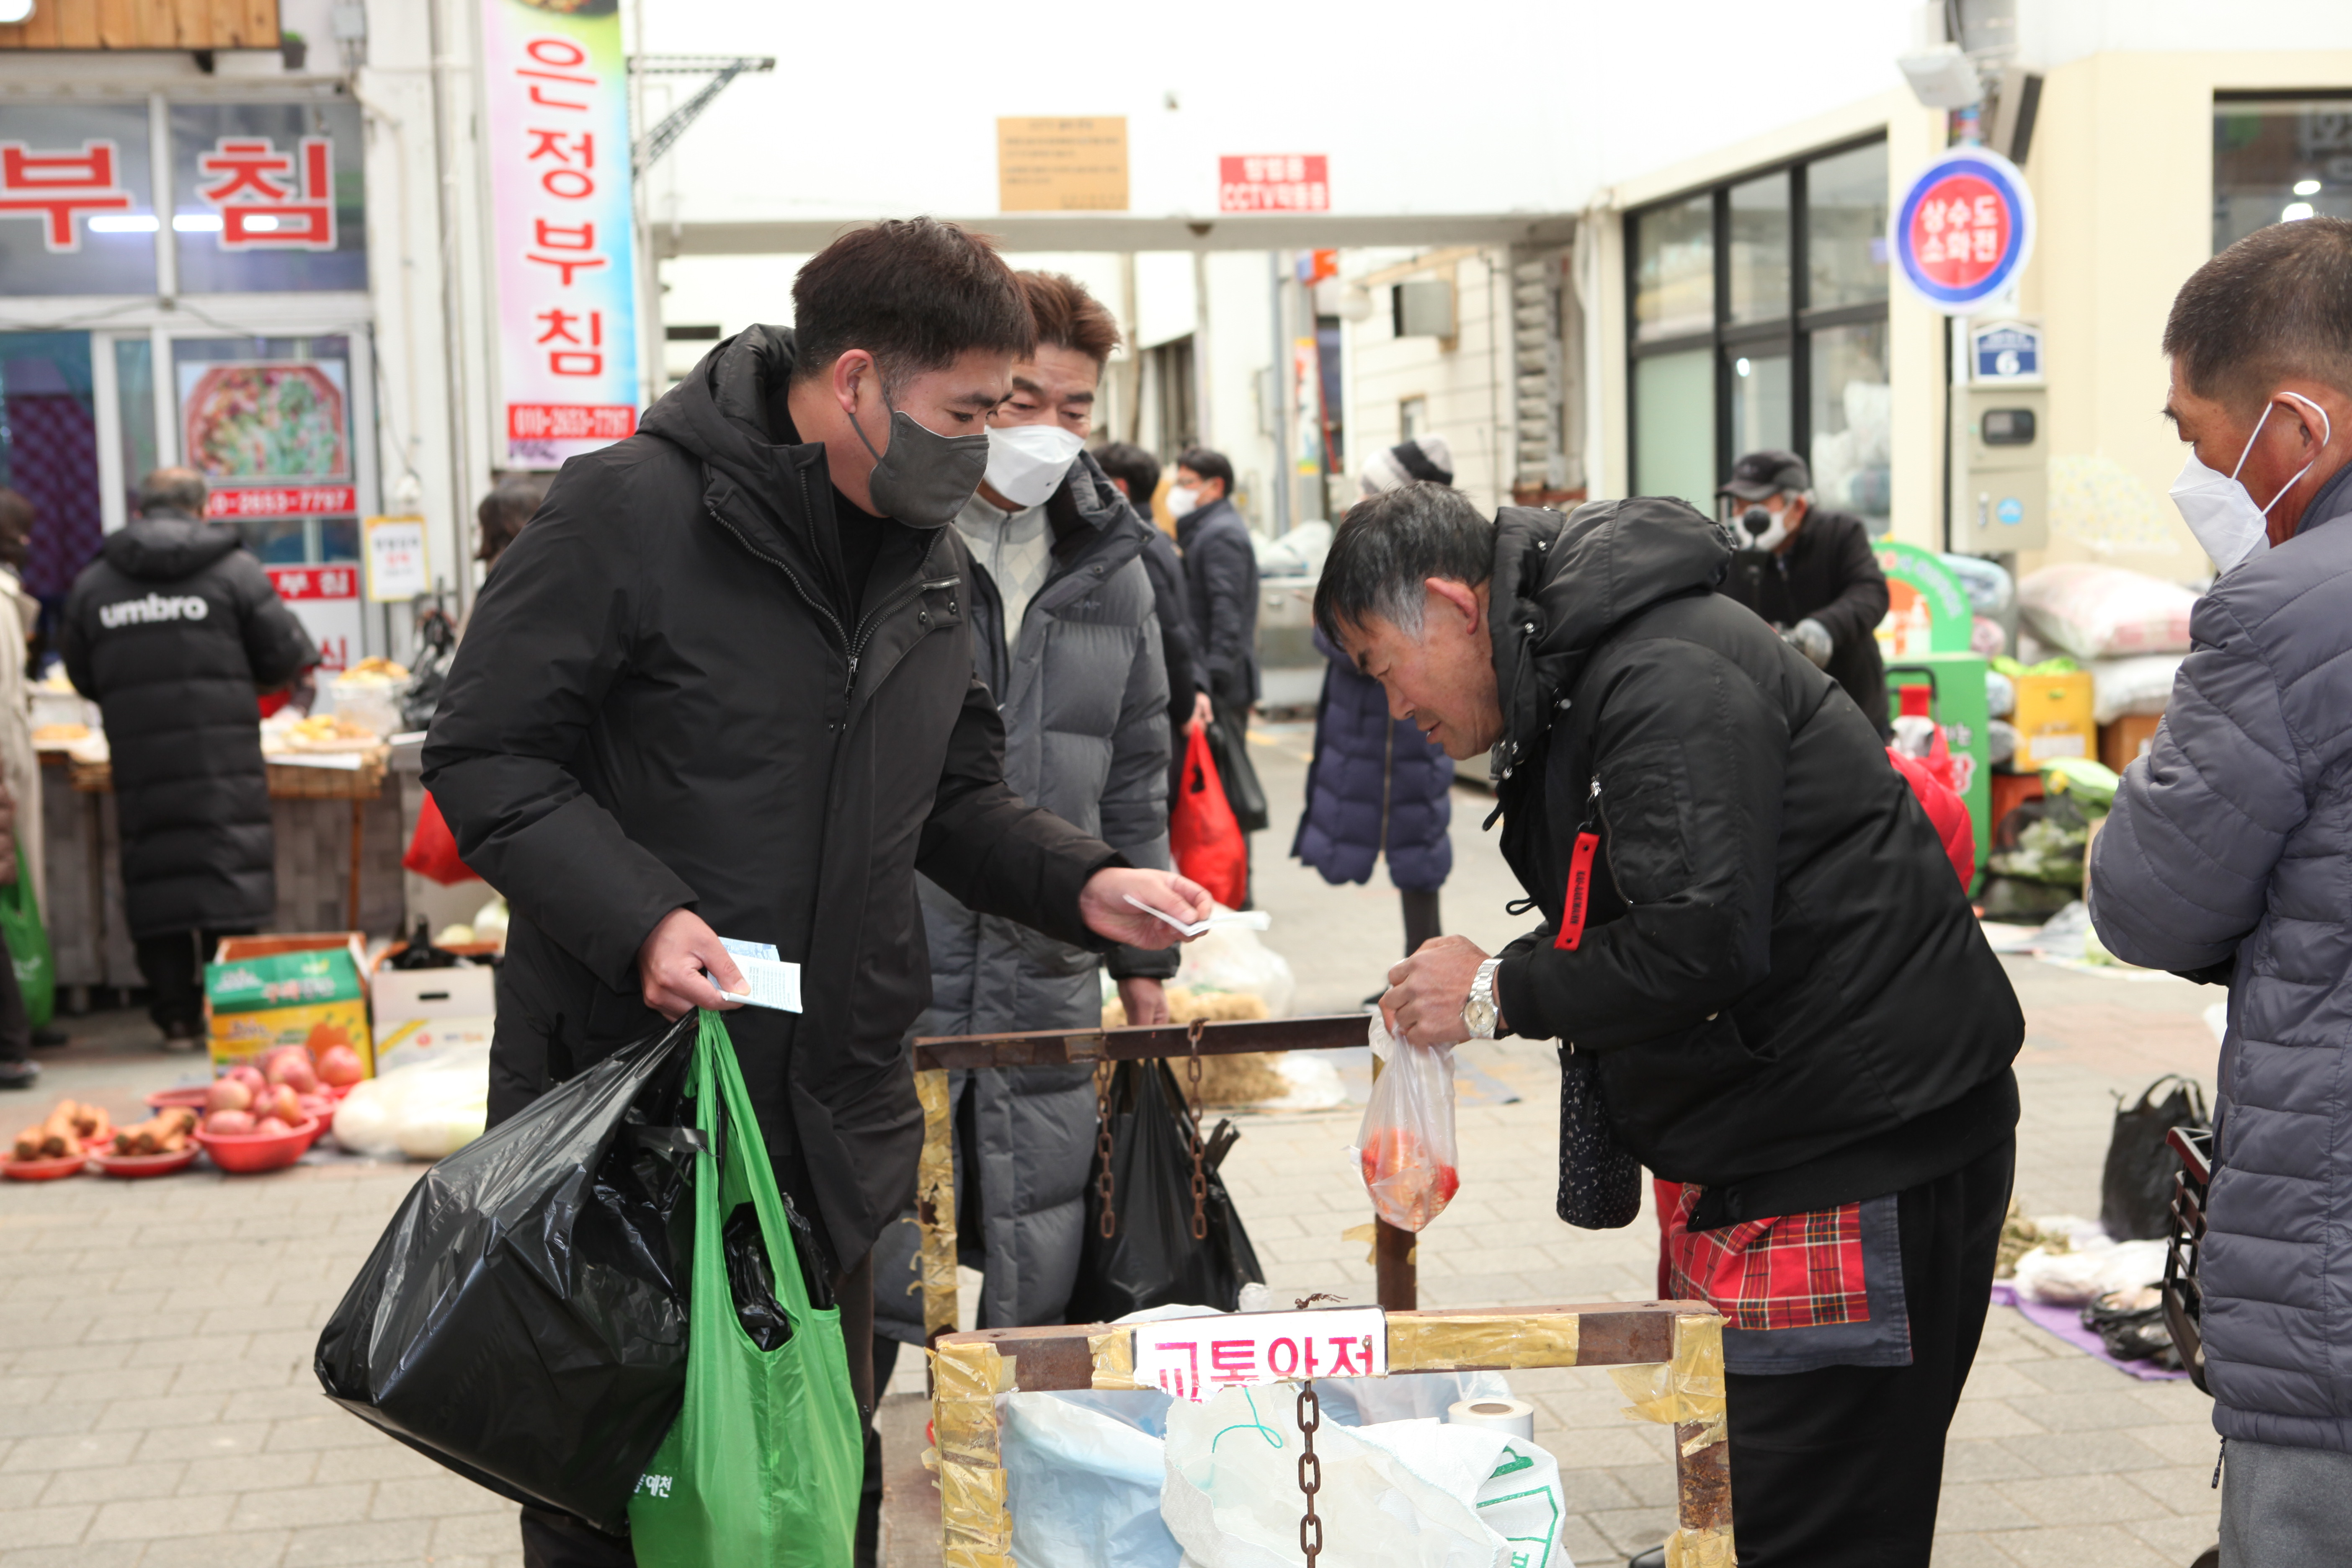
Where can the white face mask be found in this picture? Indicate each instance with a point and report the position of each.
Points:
(2217, 509)
(1026, 462)
(1184, 500)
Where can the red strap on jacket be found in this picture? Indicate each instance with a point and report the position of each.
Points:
(1579, 892)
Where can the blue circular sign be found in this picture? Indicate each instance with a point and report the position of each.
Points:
(1964, 229)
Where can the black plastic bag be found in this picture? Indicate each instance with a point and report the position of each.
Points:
(1151, 1258)
(2135, 1191)
(524, 1319)
(2130, 1332)
(1229, 749)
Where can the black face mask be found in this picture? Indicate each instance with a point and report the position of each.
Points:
(925, 477)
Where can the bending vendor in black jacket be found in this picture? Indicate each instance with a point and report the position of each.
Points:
(1811, 574)
(723, 686)
(1759, 960)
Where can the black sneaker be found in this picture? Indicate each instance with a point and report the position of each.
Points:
(181, 1037)
(19, 1075)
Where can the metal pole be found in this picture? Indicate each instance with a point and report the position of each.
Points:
(452, 326)
(1394, 1270)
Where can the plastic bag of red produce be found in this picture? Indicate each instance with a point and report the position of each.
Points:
(1406, 1146)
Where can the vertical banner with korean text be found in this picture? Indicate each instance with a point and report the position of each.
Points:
(558, 146)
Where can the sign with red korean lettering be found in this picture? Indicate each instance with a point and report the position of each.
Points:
(558, 147)
(1193, 1357)
(270, 198)
(1964, 229)
(59, 185)
(326, 600)
(1275, 183)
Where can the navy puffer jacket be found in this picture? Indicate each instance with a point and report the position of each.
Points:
(2231, 844)
(1375, 784)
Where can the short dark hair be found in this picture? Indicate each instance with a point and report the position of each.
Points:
(511, 503)
(1389, 545)
(1067, 317)
(916, 293)
(1138, 468)
(1208, 464)
(171, 489)
(2277, 303)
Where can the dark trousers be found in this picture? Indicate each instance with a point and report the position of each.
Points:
(172, 966)
(1421, 922)
(552, 1540)
(1841, 1468)
(15, 1026)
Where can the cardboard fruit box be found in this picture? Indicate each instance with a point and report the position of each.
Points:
(263, 992)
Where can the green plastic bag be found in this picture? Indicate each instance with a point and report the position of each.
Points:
(765, 1462)
(28, 946)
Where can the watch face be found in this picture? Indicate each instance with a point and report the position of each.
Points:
(1480, 1017)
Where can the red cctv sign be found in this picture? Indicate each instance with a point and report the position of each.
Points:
(283, 500)
(1275, 183)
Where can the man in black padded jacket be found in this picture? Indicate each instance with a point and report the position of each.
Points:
(722, 686)
(1756, 956)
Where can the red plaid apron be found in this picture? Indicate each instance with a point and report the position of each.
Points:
(1798, 1270)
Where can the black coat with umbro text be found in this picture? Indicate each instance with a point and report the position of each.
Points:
(172, 631)
(663, 702)
(1787, 998)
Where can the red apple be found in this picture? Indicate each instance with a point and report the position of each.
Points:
(229, 1123)
(228, 1094)
(340, 1065)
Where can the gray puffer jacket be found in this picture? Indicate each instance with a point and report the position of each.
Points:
(1083, 692)
(2230, 844)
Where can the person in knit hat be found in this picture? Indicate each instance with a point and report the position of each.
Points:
(1377, 787)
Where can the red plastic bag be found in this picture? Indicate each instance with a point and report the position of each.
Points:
(1204, 835)
(433, 848)
(1412, 1167)
(1943, 807)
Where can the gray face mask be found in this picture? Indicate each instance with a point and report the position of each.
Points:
(925, 477)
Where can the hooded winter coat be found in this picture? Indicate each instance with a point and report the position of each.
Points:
(1376, 786)
(2227, 855)
(1787, 998)
(1084, 697)
(172, 631)
(664, 700)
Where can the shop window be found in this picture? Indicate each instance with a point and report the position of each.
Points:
(2276, 160)
(1853, 423)
(1674, 426)
(267, 422)
(1845, 227)
(1674, 269)
(268, 196)
(1759, 251)
(1781, 345)
(81, 217)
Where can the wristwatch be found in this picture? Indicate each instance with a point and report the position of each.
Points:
(1480, 1014)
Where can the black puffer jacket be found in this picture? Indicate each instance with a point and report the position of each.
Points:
(171, 630)
(1220, 584)
(662, 701)
(1788, 998)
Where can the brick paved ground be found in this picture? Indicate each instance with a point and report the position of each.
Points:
(157, 1407)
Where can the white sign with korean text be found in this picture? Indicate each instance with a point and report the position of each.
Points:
(1191, 1358)
(398, 568)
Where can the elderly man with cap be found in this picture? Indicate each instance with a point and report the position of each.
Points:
(1809, 571)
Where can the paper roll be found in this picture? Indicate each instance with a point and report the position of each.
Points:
(1516, 1417)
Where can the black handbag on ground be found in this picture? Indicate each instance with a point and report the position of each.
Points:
(2135, 1190)
(1151, 1258)
(1600, 1183)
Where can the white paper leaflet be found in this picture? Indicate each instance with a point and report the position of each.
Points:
(1254, 919)
(768, 981)
(1191, 1358)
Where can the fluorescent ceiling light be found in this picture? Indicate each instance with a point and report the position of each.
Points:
(2295, 212)
(119, 223)
(2306, 188)
(197, 223)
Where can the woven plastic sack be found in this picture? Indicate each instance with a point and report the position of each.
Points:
(2106, 612)
(1411, 1165)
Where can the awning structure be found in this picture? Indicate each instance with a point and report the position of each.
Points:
(1032, 233)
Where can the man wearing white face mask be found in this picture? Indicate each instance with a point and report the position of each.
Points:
(1066, 634)
(2227, 855)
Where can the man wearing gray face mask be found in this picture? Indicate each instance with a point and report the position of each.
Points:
(2228, 852)
(722, 688)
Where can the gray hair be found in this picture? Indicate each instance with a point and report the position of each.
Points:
(171, 490)
(1387, 548)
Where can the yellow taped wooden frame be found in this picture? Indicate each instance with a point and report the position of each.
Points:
(1666, 1357)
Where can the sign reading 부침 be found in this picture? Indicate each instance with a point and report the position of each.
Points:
(1193, 1357)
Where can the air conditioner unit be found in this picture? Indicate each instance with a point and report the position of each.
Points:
(1424, 308)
